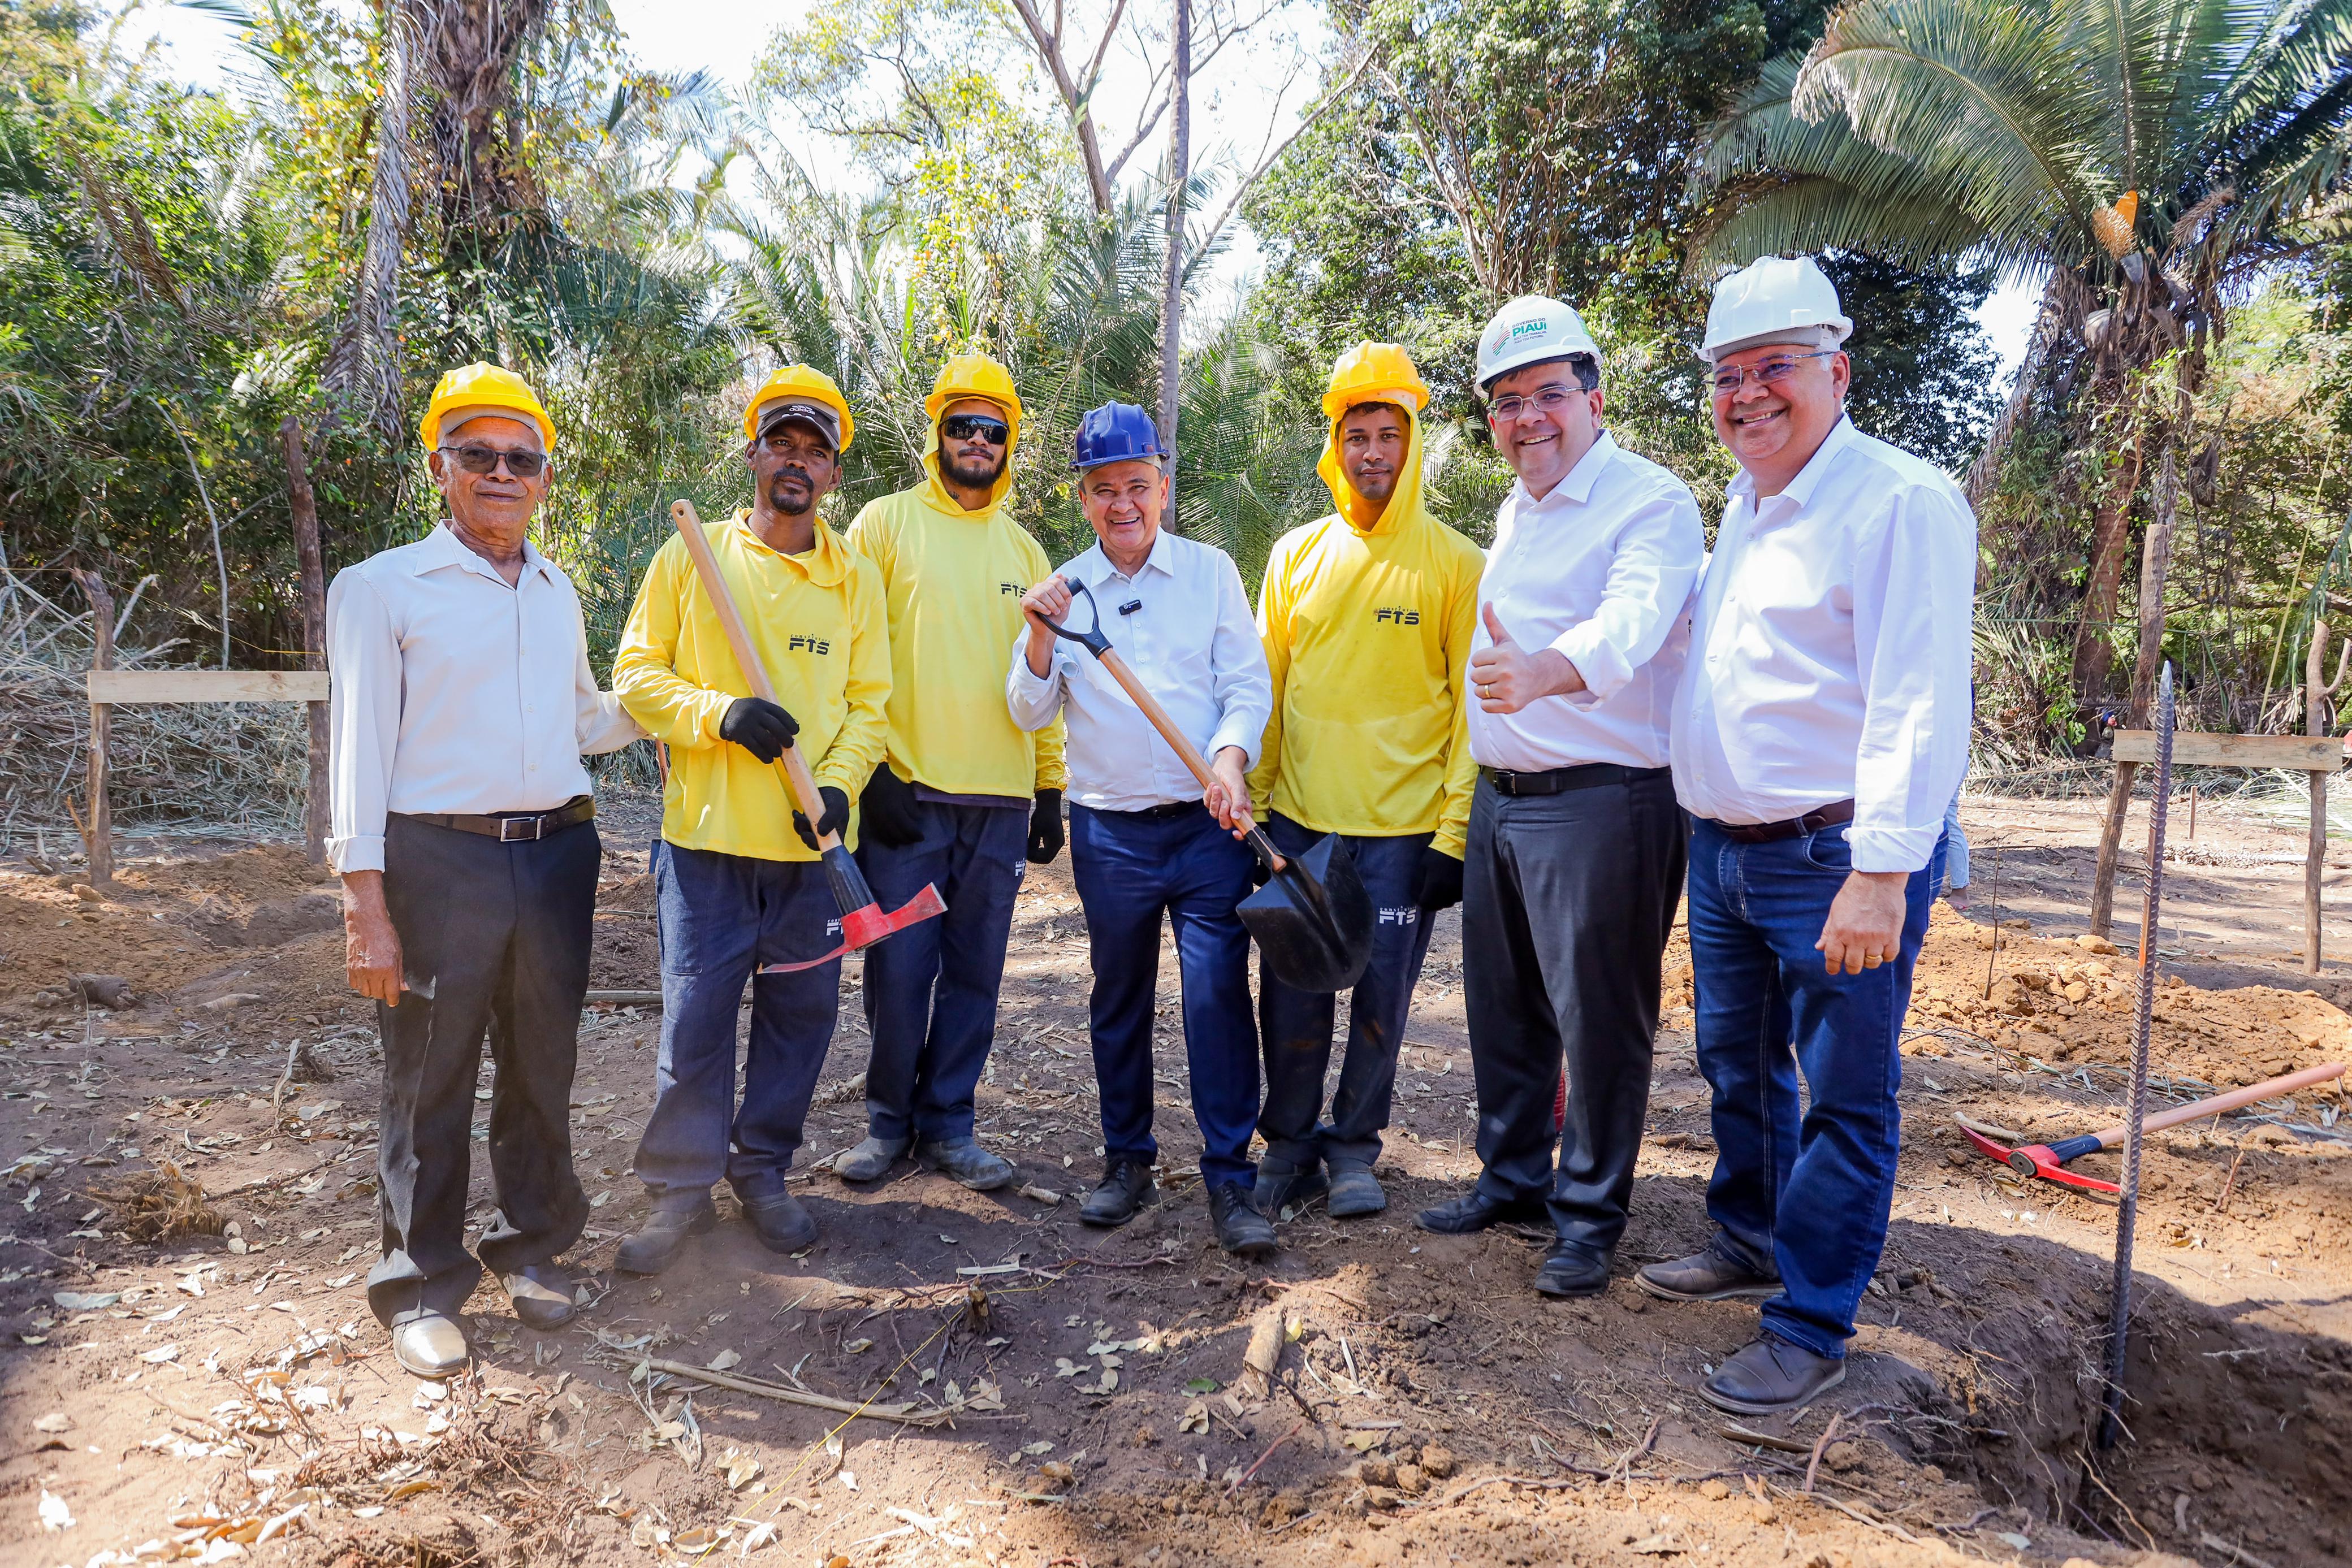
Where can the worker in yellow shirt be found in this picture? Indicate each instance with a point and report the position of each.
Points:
(1366, 616)
(964, 793)
(736, 877)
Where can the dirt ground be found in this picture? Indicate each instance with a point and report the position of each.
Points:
(1075, 1398)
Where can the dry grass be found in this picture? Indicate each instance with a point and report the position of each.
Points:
(235, 769)
(161, 1205)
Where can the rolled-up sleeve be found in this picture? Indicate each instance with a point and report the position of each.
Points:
(1237, 657)
(1914, 571)
(1658, 555)
(364, 720)
(1034, 700)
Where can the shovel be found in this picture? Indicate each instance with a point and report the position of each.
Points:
(1313, 920)
(863, 923)
(2048, 1162)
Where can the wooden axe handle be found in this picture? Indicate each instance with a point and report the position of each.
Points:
(1184, 749)
(2216, 1104)
(705, 567)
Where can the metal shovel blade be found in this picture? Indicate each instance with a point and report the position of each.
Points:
(1313, 920)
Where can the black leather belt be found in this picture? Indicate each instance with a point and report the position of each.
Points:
(1559, 781)
(1813, 821)
(510, 827)
(1152, 813)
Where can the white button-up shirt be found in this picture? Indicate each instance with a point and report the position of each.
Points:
(1601, 570)
(1193, 644)
(1830, 653)
(453, 692)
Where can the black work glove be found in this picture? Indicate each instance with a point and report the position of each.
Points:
(1441, 881)
(894, 817)
(759, 727)
(1045, 828)
(836, 815)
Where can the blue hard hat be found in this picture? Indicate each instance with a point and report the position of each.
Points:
(1116, 432)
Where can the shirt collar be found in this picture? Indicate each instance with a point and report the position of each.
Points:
(1799, 490)
(444, 549)
(1578, 484)
(1094, 566)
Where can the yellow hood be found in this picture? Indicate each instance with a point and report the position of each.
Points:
(936, 493)
(1404, 503)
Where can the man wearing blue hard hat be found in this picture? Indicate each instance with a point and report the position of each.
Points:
(1146, 838)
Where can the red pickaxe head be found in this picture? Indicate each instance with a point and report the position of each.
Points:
(2046, 1162)
(863, 922)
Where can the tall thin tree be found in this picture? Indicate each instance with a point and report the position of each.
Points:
(1171, 296)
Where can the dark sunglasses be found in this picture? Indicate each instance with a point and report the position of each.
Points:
(964, 426)
(485, 460)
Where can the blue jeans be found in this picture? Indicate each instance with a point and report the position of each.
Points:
(930, 990)
(721, 916)
(1129, 867)
(1298, 1025)
(1810, 1197)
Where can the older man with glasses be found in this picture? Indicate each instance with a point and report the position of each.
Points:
(463, 832)
(1819, 729)
(1575, 861)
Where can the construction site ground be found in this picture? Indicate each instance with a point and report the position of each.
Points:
(1070, 1397)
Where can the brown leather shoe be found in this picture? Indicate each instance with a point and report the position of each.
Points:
(1769, 1376)
(430, 1345)
(1713, 1275)
(541, 1296)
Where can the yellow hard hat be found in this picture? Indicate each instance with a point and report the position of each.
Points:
(975, 375)
(482, 388)
(1374, 372)
(805, 385)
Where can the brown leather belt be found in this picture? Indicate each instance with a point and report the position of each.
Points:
(1812, 821)
(510, 827)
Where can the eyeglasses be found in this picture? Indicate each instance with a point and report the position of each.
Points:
(1768, 372)
(964, 426)
(1550, 400)
(485, 459)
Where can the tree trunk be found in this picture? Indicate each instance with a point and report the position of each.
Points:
(304, 505)
(363, 370)
(1172, 300)
(98, 835)
(2155, 566)
(2095, 651)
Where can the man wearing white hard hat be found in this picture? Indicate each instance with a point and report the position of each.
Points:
(1575, 861)
(1820, 729)
(464, 832)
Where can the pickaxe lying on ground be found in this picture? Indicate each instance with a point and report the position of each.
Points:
(863, 923)
(2049, 1161)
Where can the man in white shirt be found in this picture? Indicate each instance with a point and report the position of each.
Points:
(1819, 729)
(463, 831)
(1575, 861)
(1146, 839)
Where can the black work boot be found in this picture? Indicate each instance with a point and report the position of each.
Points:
(658, 1242)
(1241, 1229)
(1475, 1211)
(1713, 1275)
(781, 1221)
(1126, 1188)
(1769, 1376)
(1355, 1191)
(1572, 1270)
(1282, 1184)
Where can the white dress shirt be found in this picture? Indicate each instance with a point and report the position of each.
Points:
(1193, 643)
(1830, 653)
(453, 692)
(1601, 570)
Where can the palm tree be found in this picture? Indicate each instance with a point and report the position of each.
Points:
(2146, 153)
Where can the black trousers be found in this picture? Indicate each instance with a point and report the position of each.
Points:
(494, 940)
(1567, 900)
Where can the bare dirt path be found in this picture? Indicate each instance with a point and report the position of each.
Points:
(1082, 1398)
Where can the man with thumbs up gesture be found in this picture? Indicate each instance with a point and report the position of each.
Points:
(1576, 845)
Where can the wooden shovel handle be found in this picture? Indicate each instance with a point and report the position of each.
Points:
(705, 567)
(2267, 1089)
(1184, 748)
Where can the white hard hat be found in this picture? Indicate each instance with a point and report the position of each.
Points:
(1774, 299)
(1530, 328)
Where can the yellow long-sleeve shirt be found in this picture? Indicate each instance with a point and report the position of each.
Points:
(1367, 633)
(953, 581)
(818, 623)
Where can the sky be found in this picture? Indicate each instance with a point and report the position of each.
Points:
(1232, 111)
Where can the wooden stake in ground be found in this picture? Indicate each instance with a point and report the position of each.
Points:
(2315, 694)
(305, 507)
(97, 838)
(2135, 1113)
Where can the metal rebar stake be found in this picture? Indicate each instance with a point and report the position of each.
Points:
(2128, 1210)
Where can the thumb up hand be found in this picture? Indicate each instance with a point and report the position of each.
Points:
(1506, 677)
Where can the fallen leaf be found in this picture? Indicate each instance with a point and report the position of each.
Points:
(1195, 1418)
(78, 1302)
(1203, 1385)
(725, 1358)
(161, 1353)
(741, 1469)
(55, 1421)
(1033, 1449)
(1362, 1442)
(858, 1346)
(409, 1488)
(55, 1514)
(756, 1537)
(699, 1540)
(849, 1479)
